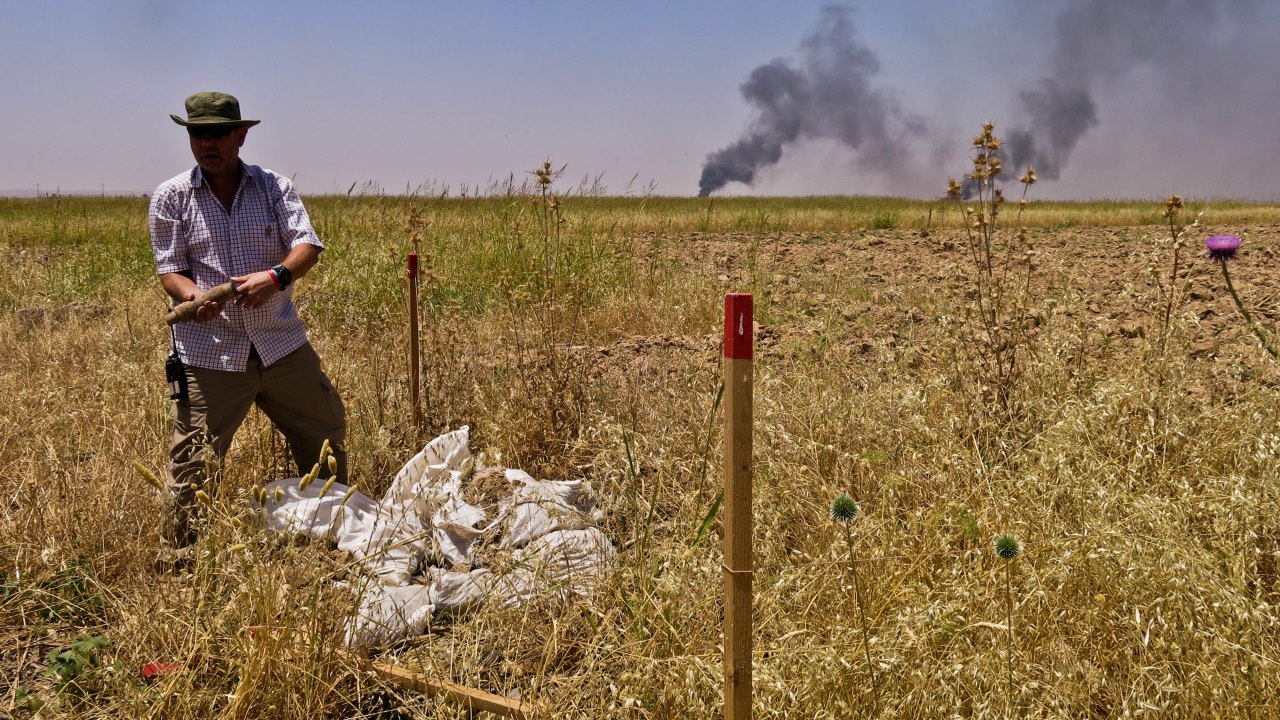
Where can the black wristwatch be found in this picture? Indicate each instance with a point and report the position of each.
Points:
(284, 278)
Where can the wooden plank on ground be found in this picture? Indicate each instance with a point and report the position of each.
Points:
(465, 696)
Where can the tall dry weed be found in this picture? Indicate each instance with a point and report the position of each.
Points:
(996, 337)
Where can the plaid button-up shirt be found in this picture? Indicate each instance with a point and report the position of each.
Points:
(191, 233)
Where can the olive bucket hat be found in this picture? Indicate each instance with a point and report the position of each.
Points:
(213, 109)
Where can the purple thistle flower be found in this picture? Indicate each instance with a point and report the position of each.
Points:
(1222, 247)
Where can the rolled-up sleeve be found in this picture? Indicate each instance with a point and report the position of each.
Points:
(294, 220)
(168, 242)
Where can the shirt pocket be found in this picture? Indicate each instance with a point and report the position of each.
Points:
(256, 229)
(199, 229)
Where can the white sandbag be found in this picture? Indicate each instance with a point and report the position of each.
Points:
(456, 592)
(457, 526)
(308, 512)
(568, 559)
(537, 507)
(388, 614)
(546, 528)
(388, 541)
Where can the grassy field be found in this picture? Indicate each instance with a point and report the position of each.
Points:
(1133, 456)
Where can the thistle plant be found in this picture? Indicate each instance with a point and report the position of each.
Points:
(1002, 275)
(546, 292)
(844, 510)
(1172, 213)
(1008, 547)
(1222, 249)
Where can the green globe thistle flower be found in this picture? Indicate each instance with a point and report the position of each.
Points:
(1008, 547)
(844, 508)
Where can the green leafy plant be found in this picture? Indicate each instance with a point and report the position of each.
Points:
(67, 595)
(884, 221)
(24, 698)
(72, 668)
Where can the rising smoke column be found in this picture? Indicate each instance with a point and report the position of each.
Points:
(826, 92)
(1099, 41)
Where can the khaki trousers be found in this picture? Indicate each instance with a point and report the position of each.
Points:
(294, 393)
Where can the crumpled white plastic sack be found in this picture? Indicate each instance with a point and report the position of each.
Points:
(423, 547)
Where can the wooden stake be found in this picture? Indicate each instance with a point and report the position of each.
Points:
(738, 565)
(475, 700)
(415, 368)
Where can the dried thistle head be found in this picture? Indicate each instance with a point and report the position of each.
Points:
(1029, 178)
(1172, 205)
(986, 136)
(544, 174)
(954, 189)
(413, 225)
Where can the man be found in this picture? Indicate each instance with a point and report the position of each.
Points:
(224, 221)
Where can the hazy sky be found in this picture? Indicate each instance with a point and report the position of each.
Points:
(1184, 93)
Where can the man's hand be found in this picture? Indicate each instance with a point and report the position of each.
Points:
(254, 289)
(208, 311)
(182, 290)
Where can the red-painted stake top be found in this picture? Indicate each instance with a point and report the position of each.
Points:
(737, 326)
(413, 264)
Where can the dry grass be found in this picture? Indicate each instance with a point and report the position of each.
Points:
(1142, 480)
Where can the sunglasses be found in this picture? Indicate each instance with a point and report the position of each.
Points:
(210, 132)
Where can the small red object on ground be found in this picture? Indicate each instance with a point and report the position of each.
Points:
(159, 669)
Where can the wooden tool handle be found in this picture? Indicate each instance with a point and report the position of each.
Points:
(185, 312)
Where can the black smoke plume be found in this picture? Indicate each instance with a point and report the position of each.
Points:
(1098, 41)
(825, 92)
(1062, 115)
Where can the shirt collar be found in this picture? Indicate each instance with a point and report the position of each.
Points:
(197, 175)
